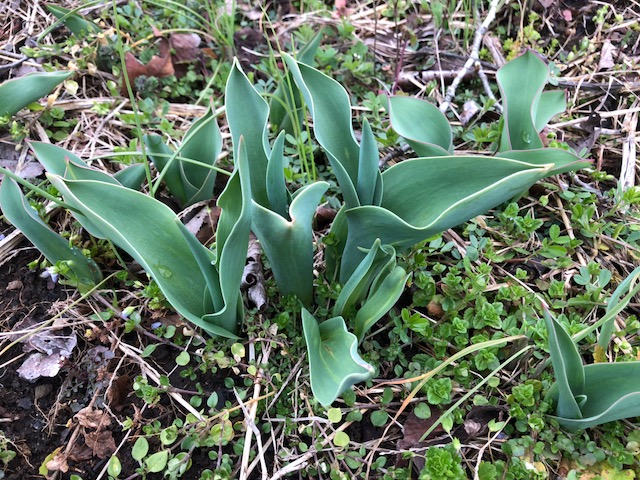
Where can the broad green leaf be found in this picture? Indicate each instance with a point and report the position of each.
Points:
(131, 176)
(114, 468)
(187, 181)
(151, 233)
(328, 103)
(140, 449)
(58, 161)
(378, 258)
(232, 241)
(334, 363)
(425, 196)
(380, 301)
(567, 367)
(18, 93)
(612, 392)
(275, 182)
(247, 115)
(16, 209)
(369, 182)
(422, 125)
(75, 22)
(288, 244)
(203, 143)
(550, 104)
(625, 286)
(286, 105)
(521, 82)
(157, 462)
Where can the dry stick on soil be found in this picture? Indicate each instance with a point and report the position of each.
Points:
(474, 59)
(250, 417)
(301, 462)
(569, 227)
(628, 169)
(476, 469)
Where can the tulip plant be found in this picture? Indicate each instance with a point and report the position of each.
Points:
(383, 214)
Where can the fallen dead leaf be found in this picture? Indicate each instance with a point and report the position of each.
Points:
(101, 443)
(253, 278)
(608, 55)
(159, 66)
(58, 463)
(185, 47)
(93, 418)
(39, 365)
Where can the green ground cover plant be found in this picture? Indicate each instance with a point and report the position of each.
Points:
(478, 281)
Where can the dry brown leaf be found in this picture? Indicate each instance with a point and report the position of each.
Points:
(119, 391)
(101, 443)
(608, 55)
(80, 452)
(159, 65)
(185, 47)
(93, 418)
(58, 463)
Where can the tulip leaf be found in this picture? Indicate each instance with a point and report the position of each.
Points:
(625, 286)
(187, 181)
(232, 241)
(379, 257)
(83, 272)
(369, 182)
(148, 231)
(247, 115)
(286, 106)
(275, 181)
(551, 104)
(75, 22)
(334, 362)
(161, 156)
(525, 112)
(567, 367)
(288, 244)
(425, 196)
(131, 176)
(58, 161)
(328, 103)
(384, 296)
(422, 125)
(20, 92)
(612, 392)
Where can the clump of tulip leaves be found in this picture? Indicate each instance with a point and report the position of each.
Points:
(383, 213)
